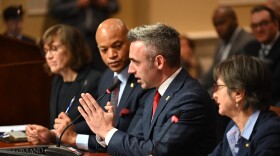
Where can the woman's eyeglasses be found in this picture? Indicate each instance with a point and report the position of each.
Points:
(53, 50)
(218, 87)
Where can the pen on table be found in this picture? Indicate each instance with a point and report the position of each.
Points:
(70, 104)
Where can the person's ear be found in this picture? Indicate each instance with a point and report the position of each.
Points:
(159, 61)
(239, 95)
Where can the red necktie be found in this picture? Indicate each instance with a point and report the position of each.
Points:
(155, 103)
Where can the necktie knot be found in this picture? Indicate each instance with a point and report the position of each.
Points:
(264, 50)
(116, 80)
(156, 101)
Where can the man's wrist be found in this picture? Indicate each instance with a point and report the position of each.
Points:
(73, 139)
(53, 137)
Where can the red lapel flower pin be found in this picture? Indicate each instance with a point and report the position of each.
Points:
(124, 112)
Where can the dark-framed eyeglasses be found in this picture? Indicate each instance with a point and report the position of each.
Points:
(218, 87)
(263, 23)
(54, 49)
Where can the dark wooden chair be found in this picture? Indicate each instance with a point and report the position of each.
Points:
(275, 109)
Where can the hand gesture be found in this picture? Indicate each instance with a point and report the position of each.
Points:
(100, 122)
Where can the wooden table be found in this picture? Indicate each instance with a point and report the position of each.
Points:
(4, 145)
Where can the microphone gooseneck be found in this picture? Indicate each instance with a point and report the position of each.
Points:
(108, 91)
(174, 119)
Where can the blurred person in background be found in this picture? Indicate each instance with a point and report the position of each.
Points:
(13, 21)
(85, 15)
(266, 47)
(188, 57)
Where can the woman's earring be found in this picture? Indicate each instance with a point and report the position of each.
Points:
(236, 105)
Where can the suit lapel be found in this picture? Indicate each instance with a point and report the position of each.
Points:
(105, 82)
(175, 85)
(148, 115)
(243, 147)
(130, 85)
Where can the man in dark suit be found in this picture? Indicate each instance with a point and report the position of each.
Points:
(266, 47)
(232, 39)
(155, 62)
(114, 49)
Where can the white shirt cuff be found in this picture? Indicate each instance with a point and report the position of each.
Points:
(82, 141)
(109, 135)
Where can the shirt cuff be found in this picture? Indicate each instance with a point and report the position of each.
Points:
(82, 141)
(109, 135)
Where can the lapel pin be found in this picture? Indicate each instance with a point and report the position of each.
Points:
(167, 98)
(247, 145)
(132, 85)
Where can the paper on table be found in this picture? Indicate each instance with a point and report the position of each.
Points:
(12, 128)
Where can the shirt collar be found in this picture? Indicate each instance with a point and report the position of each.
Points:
(123, 75)
(248, 129)
(162, 88)
(233, 36)
(269, 46)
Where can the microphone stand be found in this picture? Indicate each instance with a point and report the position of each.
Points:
(57, 150)
(174, 119)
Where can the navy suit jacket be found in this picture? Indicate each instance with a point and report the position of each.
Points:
(194, 134)
(86, 81)
(264, 140)
(133, 99)
(253, 48)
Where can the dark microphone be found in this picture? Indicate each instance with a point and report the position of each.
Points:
(174, 119)
(63, 151)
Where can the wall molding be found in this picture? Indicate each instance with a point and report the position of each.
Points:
(240, 2)
(211, 34)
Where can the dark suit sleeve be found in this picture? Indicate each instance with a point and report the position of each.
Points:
(218, 150)
(268, 142)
